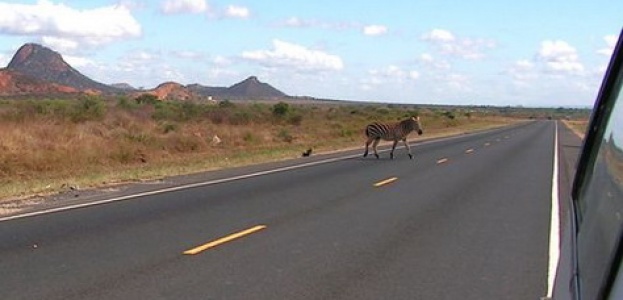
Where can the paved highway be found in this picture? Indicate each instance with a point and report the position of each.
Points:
(468, 218)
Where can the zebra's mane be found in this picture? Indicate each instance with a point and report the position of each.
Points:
(409, 123)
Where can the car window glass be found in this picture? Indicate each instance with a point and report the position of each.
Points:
(601, 204)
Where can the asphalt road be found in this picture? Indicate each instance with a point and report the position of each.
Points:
(468, 218)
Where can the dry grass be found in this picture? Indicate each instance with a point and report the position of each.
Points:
(577, 126)
(46, 146)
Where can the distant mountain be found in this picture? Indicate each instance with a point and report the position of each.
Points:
(250, 88)
(14, 83)
(37, 70)
(45, 64)
(208, 91)
(169, 91)
(123, 86)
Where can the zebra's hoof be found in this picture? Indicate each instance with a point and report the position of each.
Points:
(391, 156)
(410, 156)
(377, 156)
(365, 154)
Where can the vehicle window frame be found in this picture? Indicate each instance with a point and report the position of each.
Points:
(607, 97)
(598, 121)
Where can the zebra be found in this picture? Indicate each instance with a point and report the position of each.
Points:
(392, 132)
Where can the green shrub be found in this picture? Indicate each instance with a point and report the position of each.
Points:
(177, 111)
(88, 109)
(125, 103)
(240, 118)
(146, 99)
(281, 109)
(226, 103)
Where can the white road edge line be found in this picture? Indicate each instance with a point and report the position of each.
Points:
(205, 183)
(554, 227)
(176, 188)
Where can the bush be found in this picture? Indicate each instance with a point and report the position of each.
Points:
(281, 109)
(89, 108)
(240, 118)
(226, 103)
(177, 111)
(125, 103)
(146, 99)
(450, 115)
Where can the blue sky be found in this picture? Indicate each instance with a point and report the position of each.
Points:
(480, 52)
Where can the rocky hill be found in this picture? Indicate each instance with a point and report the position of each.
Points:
(45, 64)
(17, 84)
(37, 70)
(250, 88)
(169, 91)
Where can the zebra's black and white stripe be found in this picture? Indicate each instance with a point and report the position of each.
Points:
(392, 132)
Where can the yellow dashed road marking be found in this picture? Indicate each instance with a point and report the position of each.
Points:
(386, 181)
(443, 160)
(223, 240)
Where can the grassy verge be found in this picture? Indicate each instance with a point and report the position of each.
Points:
(577, 126)
(47, 146)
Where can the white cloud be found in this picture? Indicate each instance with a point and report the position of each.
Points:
(234, 11)
(183, 6)
(458, 81)
(66, 27)
(391, 74)
(296, 22)
(295, 56)
(78, 62)
(192, 55)
(389, 71)
(448, 44)
(611, 41)
(428, 59)
(221, 61)
(559, 56)
(439, 35)
(524, 64)
(374, 30)
(141, 57)
(522, 71)
(4, 60)
(62, 45)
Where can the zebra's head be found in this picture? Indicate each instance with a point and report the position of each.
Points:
(417, 126)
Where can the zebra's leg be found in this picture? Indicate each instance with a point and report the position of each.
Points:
(408, 148)
(367, 144)
(391, 154)
(376, 142)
